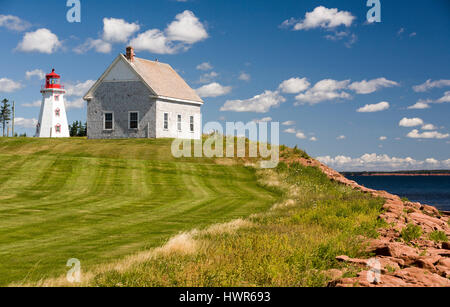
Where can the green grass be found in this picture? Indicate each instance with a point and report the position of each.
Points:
(411, 232)
(100, 201)
(292, 245)
(438, 236)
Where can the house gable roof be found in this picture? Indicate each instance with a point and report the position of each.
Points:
(161, 79)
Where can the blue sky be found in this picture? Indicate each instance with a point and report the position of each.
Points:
(336, 62)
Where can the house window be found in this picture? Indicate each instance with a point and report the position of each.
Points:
(58, 128)
(133, 120)
(57, 112)
(56, 97)
(192, 123)
(166, 121)
(108, 121)
(179, 122)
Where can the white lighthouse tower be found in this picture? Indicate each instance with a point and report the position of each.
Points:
(52, 119)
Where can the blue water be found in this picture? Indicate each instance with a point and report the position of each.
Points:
(430, 190)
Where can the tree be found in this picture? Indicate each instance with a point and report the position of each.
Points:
(5, 114)
(77, 129)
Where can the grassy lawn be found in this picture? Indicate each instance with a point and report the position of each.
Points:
(100, 201)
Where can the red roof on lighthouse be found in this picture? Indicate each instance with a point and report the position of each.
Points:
(52, 80)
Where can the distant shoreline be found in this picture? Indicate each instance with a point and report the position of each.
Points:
(400, 174)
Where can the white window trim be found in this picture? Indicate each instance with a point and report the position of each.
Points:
(164, 121)
(129, 120)
(179, 123)
(192, 125)
(104, 120)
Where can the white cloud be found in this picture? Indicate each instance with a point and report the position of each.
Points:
(322, 17)
(9, 86)
(313, 139)
(35, 73)
(374, 162)
(428, 127)
(341, 137)
(429, 84)
(327, 89)
(13, 23)
(445, 98)
(77, 103)
(383, 138)
(25, 122)
(244, 76)
(34, 104)
(208, 77)
(420, 105)
(300, 135)
(369, 108)
(411, 122)
(415, 134)
(41, 40)
(294, 85)
(186, 28)
(204, 66)
(118, 30)
(263, 120)
(291, 131)
(213, 90)
(288, 123)
(79, 89)
(259, 103)
(154, 41)
(98, 45)
(368, 87)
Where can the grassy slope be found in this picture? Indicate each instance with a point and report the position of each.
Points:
(294, 244)
(101, 200)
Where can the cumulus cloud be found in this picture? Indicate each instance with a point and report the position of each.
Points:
(76, 103)
(39, 73)
(290, 130)
(369, 108)
(25, 122)
(313, 139)
(13, 23)
(445, 98)
(179, 35)
(383, 138)
(41, 40)
(9, 86)
(79, 89)
(300, 135)
(118, 30)
(98, 45)
(294, 85)
(374, 162)
(263, 120)
(288, 123)
(420, 105)
(341, 137)
(259, 103)
(415, 134)
(429, 84)
(34, 104)
(410, 122)
(428, 127)
(244, 76)
(208, 77)
(213, 90)
(321, 17)
(204, 66)
(327, 89)
(186, 28)
(368, 87)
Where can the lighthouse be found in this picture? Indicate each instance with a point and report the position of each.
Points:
(52, 119)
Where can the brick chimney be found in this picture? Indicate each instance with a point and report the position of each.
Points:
(130, 54)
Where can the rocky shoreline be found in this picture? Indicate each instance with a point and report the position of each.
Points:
(418, 263)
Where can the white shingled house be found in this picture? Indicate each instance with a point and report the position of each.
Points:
(138, 98)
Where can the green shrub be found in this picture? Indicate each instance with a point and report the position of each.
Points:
(411, 232)
(438, 236)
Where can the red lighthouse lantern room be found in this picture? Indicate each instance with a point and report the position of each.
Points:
(53, 80)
